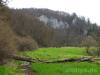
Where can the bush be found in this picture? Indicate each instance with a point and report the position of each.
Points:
(26, 43)
(7, 37)
(94, 51)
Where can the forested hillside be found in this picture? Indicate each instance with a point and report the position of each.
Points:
(32, 28)
(53, 28)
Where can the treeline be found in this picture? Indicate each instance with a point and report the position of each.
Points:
(75, 29)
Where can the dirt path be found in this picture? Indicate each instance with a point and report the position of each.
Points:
(26, 68)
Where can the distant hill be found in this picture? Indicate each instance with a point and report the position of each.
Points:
(66, 29)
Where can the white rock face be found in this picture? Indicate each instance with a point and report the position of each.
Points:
(53, 22)
(74, 20)
(44, 19)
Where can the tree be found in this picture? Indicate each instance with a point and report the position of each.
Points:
(89, 42)
(3, 2)
(7, 37)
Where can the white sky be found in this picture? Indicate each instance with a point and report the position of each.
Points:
(87, 8)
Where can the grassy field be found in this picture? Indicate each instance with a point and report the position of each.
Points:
(67, 69)
(56, 53)
(64, 68)
(75, 68)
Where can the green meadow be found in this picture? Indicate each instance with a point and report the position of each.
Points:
(56, 53)
(69, 68)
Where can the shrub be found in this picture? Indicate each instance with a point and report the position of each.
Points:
(26, 43)
(94, 51)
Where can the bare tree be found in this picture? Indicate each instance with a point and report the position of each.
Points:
(3, 2)
(88, 42)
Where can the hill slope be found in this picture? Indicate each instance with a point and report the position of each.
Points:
(64, 29)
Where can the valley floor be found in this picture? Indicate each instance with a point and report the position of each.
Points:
(51, 54)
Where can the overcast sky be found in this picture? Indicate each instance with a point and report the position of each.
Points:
(88, 8)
